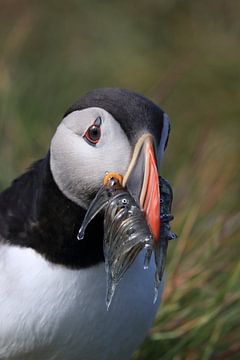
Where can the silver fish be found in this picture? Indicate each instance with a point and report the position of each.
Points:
(126, 232)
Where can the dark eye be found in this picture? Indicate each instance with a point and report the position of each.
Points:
(93, 134)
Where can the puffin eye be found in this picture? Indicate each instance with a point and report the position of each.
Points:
(93, 134)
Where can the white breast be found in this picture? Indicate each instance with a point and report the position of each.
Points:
(50, 312)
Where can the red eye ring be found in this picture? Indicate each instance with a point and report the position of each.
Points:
(93, 134)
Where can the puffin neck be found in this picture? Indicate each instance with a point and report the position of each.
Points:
(34, 213)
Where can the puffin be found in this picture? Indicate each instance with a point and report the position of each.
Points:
(53, 286)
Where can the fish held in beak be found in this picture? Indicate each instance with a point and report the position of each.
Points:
(132, 215)
(126, 232)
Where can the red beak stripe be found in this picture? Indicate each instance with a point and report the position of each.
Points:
(151, 202)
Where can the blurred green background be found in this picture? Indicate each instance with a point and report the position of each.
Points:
(185, 55)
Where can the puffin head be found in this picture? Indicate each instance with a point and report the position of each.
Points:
(111, 130)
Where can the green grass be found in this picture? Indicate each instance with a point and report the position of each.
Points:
(184, 55)
(199, 317)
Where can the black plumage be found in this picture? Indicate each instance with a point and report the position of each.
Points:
(34, 213)
(134, 112)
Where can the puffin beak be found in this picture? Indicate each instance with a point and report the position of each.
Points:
(141, 180)
(125, 231)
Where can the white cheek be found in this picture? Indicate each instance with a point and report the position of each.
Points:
(113, 151)
(78, 168)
